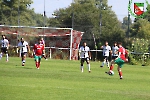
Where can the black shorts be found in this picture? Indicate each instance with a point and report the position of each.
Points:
(4, 50)
(84, 59)
(23, 54)
(105, 57)
(114, 57)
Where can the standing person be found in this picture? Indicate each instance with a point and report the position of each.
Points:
(38, 50)
(42, 42)
(114, 51)
(4, 47)
(120, 60)
(24, 48)
(106, 49)
(85, 55)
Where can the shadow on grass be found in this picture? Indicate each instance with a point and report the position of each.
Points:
(24, 67)
(68, 71)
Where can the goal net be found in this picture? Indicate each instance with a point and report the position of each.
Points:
(60, 43)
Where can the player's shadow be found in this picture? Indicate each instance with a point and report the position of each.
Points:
(28, 68)
(24, 67)
(67, 71)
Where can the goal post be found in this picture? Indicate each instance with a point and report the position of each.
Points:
(55, 38)
(71, 33)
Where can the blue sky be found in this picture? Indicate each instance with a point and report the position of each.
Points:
(120, 7)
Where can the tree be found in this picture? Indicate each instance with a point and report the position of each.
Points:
(147, 16)
(83, 1)
(125, 23)
(140, 48)
(18, 12)
(84, 15)
(141, 29)
(12, 8)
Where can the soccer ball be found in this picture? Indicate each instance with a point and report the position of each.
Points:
(111, 73)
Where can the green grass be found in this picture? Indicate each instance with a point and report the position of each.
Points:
(62, 80)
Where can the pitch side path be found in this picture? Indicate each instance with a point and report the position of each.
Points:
(63, 80)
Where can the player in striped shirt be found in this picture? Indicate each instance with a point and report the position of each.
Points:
(85, 55)
(106, 50)
(4, 47)
(114, 51)
(24, 48)
(120, 60)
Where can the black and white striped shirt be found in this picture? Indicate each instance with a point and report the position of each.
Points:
(4, 43)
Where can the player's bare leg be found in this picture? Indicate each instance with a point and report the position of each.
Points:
(23, 60)
(36, 63)
(120, 72)
(6, 56)
(39, 62)
(107, 62)
(111, 67)
(103, 63)
(1, 55)
(88, 65)
(82, 62)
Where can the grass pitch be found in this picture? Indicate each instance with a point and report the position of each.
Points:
(63, 80)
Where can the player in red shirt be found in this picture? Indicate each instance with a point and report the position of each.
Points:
(38, 51)
(120, 60)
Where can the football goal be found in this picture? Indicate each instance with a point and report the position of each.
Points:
(60, 43)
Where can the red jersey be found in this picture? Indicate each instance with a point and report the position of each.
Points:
(38, 49)
(123, 52)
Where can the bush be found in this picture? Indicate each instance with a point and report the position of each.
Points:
(139, 49)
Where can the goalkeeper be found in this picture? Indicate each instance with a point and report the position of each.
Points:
(42, 42)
